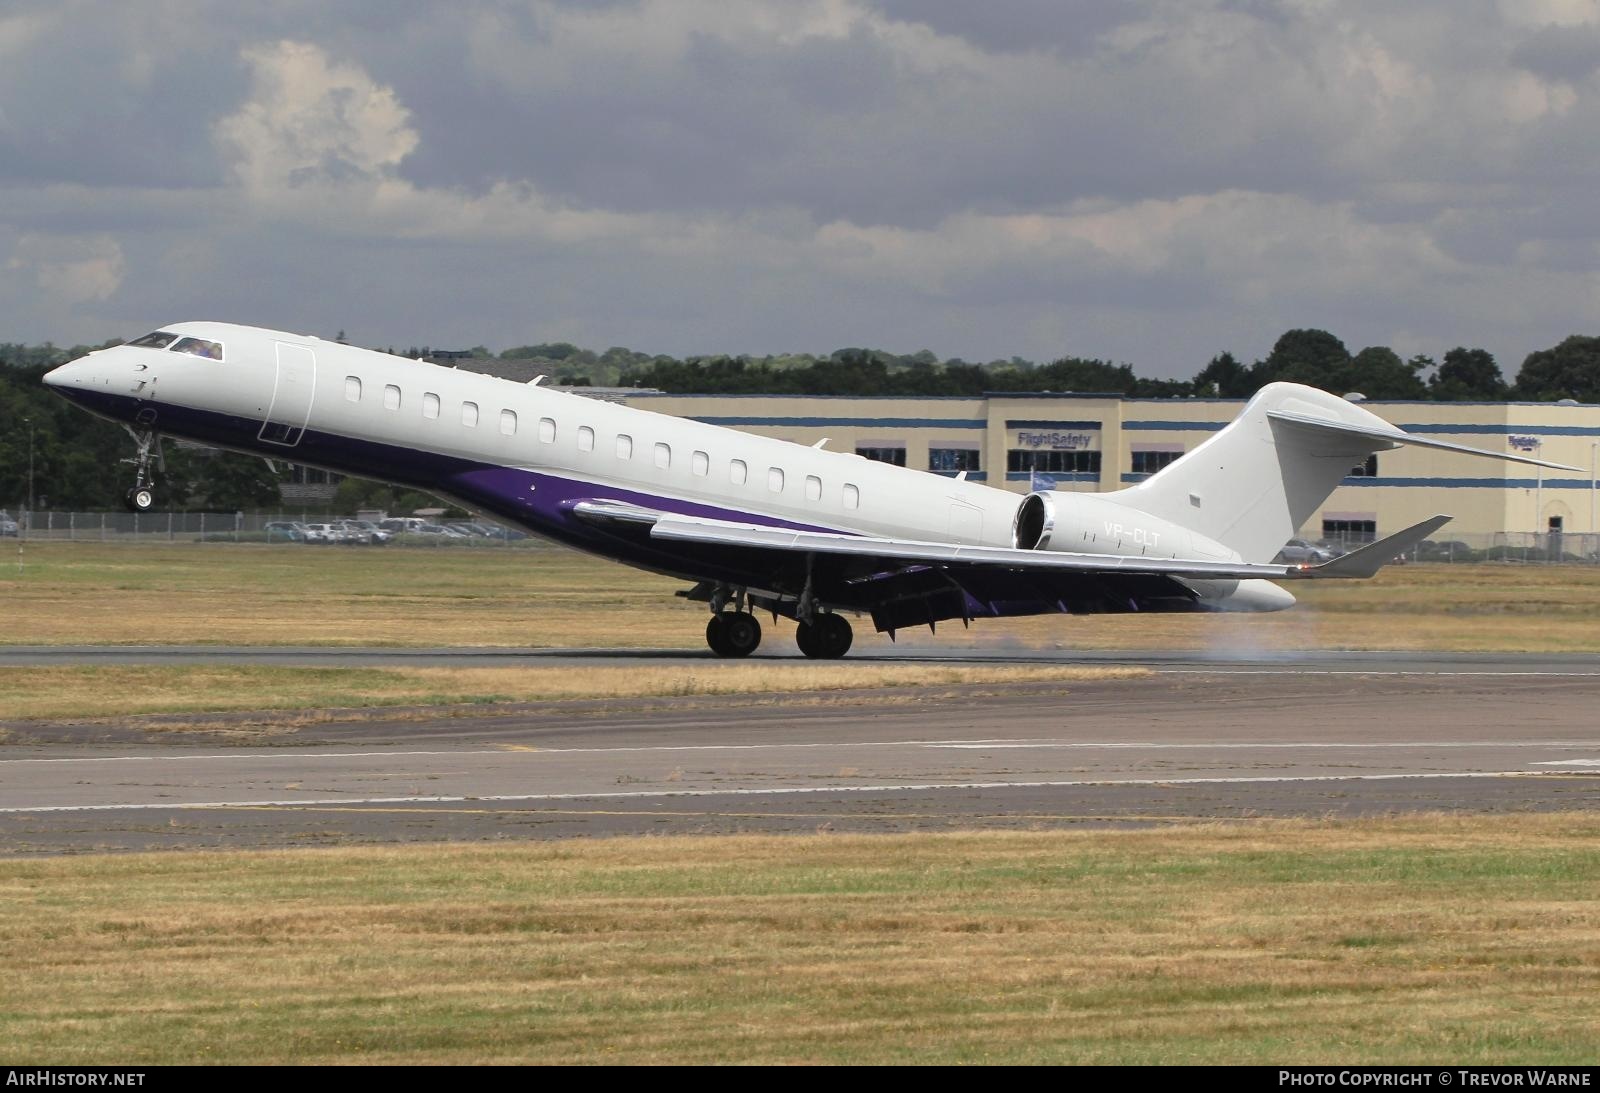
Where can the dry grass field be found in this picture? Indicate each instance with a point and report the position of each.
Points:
(87, 593)
(1424, 940)
(335, 694)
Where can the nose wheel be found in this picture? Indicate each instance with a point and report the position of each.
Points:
(143, 494)
(733, 633)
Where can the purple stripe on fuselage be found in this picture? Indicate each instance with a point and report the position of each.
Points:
(536, 500)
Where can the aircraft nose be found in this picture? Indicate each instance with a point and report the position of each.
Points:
(68, 375)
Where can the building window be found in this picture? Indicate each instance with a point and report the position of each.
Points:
(701, 463)
(897, 456)
(585, 439)
(391, 397)
(952, 459)
(1350, 531)
(1369, 469)
(469, 414)
(813, 488)
(1052, 462)
(664, 456)
(775, 479)
(508, 422)
(624, 446)
(852, 496)
(352, 388)
(430, 404)
(738, 472)
(1151, 462)
(547, 430)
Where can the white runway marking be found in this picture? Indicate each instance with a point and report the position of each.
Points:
(781, 791)
(982, 745)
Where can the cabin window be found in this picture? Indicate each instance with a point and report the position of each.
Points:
(469, 414)
(738, 472)
(198, 347)
(547, 430)
(391, 397)
(585, 439)
(701, 463)
(852, 496)
(508, 423)
(352, 388)
(775, 479)
(624, 446)
(430, 405)
(813, 488)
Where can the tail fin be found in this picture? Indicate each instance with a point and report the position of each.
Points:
(1252, 485)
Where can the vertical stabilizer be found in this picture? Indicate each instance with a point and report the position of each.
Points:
(1252, 485)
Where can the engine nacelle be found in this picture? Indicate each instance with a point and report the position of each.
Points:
(1085, 523)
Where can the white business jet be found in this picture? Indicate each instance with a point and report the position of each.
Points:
(755, 523)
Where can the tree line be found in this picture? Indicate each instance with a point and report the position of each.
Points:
(76, 457)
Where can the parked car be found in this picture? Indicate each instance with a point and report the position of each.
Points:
(324, 533)
(1297, 551)
(285, 531)
(8, 526)
(477, 531)
(401, 525)
(439, 531)
(363, 531)
(507, 534)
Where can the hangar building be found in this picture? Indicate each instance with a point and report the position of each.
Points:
(1090, 442)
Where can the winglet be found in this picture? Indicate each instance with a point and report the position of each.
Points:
(1366, 561)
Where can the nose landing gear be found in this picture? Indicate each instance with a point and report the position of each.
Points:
(142, 496)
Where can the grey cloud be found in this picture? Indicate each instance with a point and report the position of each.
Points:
(1417, 175)
(1559, 53)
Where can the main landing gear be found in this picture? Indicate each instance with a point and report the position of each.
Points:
(143, 495)
(733, 633)
(825, 637)
(736, 633)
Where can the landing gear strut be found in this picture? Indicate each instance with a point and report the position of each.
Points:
(142, 495)
(825, 637)
(733, 633)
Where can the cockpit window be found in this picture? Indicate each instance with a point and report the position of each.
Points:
(199, 347)
(159, 340)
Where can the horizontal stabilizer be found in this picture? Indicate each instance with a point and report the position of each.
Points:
(1396, 437)
(1367, 560)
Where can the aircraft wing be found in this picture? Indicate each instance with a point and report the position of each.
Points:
(890, 554)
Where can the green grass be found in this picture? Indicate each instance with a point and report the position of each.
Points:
(1442, 940)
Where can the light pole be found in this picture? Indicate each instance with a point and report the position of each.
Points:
(1594, 453)
(28, 421)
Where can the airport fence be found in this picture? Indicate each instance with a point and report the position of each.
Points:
(218, 527)
(1559, 548)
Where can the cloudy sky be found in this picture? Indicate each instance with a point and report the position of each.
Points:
(1144, 181)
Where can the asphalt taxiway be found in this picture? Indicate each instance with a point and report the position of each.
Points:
(1314, 735)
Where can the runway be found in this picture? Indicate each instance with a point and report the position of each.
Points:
(1329, 734)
